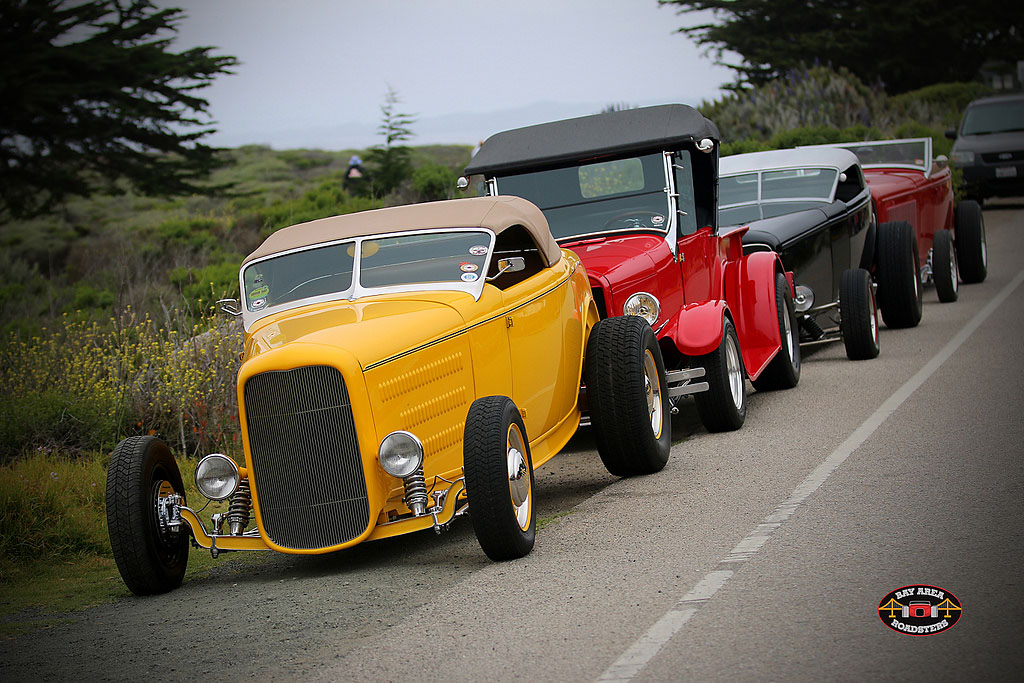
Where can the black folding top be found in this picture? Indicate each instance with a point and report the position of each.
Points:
(647, 129)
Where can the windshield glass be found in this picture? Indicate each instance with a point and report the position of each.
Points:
(423, 259)
(898, 153)
(299, 275)
(748, 197)
(413, 261)
(994, 117)
(799, 183)
(741, 215)
(608, 196)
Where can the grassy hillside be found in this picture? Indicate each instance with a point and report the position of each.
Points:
(109, 252)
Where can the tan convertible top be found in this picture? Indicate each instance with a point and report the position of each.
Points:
(495, 213)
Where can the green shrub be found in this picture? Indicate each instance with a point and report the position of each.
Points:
(433, 182)
(81, 385)
(196, 233)
(87, 297)
(945, 101)
(208, 283)
(305, 159)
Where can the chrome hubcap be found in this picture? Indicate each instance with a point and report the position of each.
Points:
(652, 388)
(952, 269)
(874, 318)
(787, 327)
(518, 477)
(734, 368)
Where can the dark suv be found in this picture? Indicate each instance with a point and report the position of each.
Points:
(989, 147)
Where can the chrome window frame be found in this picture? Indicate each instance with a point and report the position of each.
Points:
(925, 168)
(356, 291)
(668, 189)
(782, 200)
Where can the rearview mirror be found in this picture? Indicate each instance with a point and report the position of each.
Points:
(229, 306)
(512, 264)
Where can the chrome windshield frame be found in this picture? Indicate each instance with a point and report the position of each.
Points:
(356, 291)
(669, 189)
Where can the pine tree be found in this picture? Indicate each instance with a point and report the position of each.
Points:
(93, 96)
(392, 159)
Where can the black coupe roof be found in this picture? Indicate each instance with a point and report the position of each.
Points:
(641, 130)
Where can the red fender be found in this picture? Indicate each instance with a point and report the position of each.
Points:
(750, 291)
(697, 328)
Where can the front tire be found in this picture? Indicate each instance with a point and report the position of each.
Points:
(858, 315)
(628, 396)
(899, 275)
(723, 407)
(784, 370)
(944, 267)
(150, 556)
(499, 478)
(971, 247)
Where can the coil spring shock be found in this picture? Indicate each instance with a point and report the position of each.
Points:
(416, 493)
(238, 510)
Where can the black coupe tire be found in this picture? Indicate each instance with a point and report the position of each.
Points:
(899, 275)
(971, 247)
(628, 396)
(150, 559)
(858, 315)
(499, 478)
(944, 267)
(784, 370)
(723, 407)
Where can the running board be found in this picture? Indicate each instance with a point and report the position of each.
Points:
(679, 383)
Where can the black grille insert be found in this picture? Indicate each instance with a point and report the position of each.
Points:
(307, 470)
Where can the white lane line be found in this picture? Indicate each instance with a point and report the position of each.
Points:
(648, 645)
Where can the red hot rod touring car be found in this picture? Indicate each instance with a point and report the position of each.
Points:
(634, 194)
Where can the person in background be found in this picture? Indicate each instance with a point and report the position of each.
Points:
(357, 181)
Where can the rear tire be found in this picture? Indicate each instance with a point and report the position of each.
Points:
(858, 315)
(499, 478)
(150, 556)
(723, 407)
(899, 275)
(628, 396)
(784, 370)
(971, 247)
(944, 267)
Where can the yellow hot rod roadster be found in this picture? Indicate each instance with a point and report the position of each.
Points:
(402, 367)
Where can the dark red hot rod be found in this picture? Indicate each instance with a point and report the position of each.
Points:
(634, 194)
(913, 196)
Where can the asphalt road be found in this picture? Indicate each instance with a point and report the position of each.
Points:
(755, 555)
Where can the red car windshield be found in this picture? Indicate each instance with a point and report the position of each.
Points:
(608, 196)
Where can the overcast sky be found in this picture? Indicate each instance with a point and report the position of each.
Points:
(315, 72)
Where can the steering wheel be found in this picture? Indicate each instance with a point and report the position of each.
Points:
(634, 215)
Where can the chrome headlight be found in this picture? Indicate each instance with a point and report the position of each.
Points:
(644, 305)
(217, 476)
(400, 454)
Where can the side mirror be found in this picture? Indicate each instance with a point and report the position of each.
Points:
(229, 306)
(951, 133)
(512, 264)
(942, 160)
(462, 183)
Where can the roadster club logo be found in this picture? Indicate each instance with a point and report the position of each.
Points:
(919, 610)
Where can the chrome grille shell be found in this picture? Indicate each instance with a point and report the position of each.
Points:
(307, 471)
